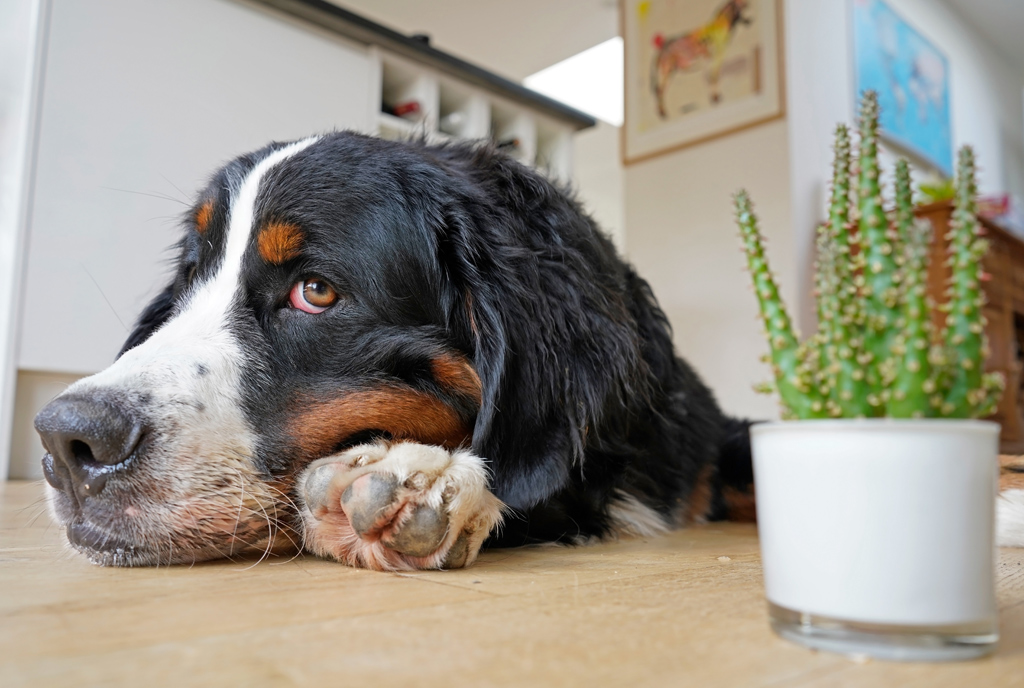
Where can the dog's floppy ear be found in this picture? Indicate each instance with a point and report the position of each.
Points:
(554, 343)
(156, 314)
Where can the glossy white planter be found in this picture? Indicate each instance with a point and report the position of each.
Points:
(877, 536)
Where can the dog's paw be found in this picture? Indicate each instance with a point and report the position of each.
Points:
(398, 506)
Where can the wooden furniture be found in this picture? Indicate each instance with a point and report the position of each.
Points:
(1004, 310)
(684, 609)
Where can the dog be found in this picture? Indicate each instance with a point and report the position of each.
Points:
(692, 50)
(391, 354)
(388, 353)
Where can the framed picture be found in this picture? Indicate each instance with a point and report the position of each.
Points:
(698, 69)
(911, 77)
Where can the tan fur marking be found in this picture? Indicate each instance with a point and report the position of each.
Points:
(279, 242)
(740, 505)
(1011, 472)
(699, 503)
(203, 216)
(455, 373)
(405, 414)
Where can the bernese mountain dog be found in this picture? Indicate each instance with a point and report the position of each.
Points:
(390, 354)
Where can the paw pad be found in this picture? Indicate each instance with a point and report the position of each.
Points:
(369, 500)
(421, 534)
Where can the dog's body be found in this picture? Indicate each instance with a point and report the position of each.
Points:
(388, 348)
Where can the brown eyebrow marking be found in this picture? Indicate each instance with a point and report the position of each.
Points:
(279, 242)
(402, 413)
(203, 216)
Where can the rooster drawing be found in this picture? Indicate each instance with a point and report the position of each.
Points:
(705, 45)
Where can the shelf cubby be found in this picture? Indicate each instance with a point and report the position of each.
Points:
(514, 131)
(554, 150)
(454, 110)
(463, 113)
(404, 84)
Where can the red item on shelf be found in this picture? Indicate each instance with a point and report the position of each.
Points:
(410, 107)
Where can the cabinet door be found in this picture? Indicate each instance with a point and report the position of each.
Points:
(142, 99)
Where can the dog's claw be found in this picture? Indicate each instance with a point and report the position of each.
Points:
(367, 500)
(422, 534)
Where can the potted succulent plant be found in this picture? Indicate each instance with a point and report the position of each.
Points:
(876, 494)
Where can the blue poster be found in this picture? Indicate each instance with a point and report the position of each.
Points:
(912, 80)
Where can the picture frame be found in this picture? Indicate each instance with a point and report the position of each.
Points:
(696, 70)
(911, 77)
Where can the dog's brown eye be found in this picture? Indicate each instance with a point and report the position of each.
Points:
(313, 295)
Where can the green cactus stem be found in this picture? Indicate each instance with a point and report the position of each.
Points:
(823, 362)
(879, 247)
(848, 385)
(800, 398)
(971, 393)
(914, 384)
(904, 219)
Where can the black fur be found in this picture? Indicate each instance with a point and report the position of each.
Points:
(460, 249)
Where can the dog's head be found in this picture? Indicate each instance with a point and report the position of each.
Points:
(327, 291)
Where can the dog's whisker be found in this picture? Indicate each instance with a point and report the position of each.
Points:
(34, 503)
(238, 516)
(40, 512)
(184, 195)
(163, 197)
(266, 516)
(300, 532)
(270, 538)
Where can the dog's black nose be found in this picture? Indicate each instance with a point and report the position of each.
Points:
(84, 437)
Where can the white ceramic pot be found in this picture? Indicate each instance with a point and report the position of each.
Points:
(877, 536)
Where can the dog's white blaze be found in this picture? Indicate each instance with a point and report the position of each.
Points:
(215, 296)
(186, 382)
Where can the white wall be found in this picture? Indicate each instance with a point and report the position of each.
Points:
(682, 239)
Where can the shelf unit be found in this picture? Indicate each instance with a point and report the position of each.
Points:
(457, 100)
(451, 109)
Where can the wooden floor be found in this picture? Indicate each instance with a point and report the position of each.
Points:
(681, 610)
